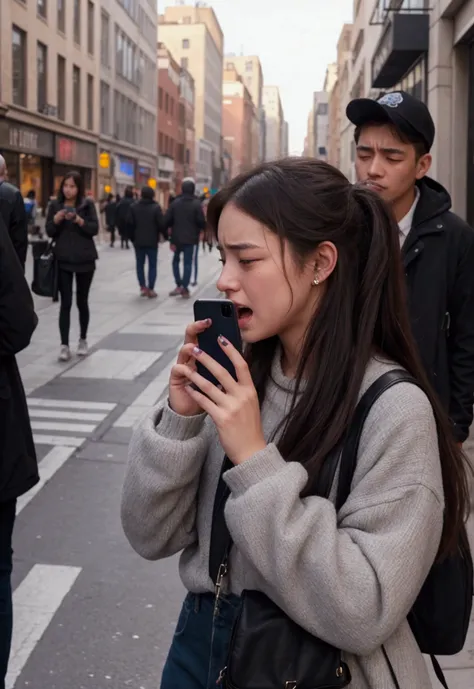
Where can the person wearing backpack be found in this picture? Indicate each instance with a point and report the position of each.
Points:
(312, 494)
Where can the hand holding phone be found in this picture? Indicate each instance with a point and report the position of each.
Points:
(224, 321)
(179, 400)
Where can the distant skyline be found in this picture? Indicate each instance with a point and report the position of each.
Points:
(295, 42)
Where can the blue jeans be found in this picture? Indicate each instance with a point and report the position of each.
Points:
(7, 519)
(187, 250)
(195, 263)
(201, 642)
(141, 254)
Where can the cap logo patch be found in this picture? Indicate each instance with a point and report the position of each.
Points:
(393, 100)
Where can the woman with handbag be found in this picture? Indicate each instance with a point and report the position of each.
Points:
(72, 223)
(312, 263)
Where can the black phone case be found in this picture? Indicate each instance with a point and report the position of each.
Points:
(221, 325)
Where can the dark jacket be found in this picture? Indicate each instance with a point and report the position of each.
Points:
(186, 219)
(74, 245)
(146, 223)
(438, 257)
(111, 214)
(122, 216)
(13, 213)
(18, 465)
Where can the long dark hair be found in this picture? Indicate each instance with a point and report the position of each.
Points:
(78, 181)
(364, 309)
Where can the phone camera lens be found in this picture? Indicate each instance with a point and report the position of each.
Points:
(227, 310)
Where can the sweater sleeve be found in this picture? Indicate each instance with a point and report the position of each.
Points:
(159, 498)
(348, 578)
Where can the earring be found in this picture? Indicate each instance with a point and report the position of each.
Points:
(315, 282)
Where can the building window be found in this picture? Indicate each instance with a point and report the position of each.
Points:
(185, 43)
(62, 16)
(167, 103)
(41, 68)
(104, 108)
(105, 40)
(41, 8)
(249, 66)
(90, 27)
(77, 21)
(90, 102)
(160, 98)
(61, 88)
(184, 62)
(76, 96)
(172, 107)
(160, 143)
(19, 66)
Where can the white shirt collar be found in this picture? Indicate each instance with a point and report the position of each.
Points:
(407, 221)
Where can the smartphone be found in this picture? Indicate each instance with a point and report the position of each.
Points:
(223, 314)
(70, 211)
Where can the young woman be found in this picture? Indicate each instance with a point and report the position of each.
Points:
(72, 222)
(313, 265)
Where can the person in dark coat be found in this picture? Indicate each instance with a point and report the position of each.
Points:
(72, 222)
(186, 220)
(394, 136)
(122, 216)
(110, 211)
(18, 464)
(13, 213)
(146, 228)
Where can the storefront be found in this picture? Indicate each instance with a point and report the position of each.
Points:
(105, 171)
(28, 152)
(143, 175)
(124, 173)
(75, 154)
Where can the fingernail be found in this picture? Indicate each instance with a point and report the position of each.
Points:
(208, 321)
(223, 341)
(197, 351)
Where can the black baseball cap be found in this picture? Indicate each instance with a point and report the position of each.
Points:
(405, 112)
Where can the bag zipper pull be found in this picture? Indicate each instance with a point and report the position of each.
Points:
(220, 577)
(222, 675)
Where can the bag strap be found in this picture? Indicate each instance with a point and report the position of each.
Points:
(221, 540)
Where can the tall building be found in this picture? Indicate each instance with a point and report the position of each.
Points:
(128, 92)
(49, 92)
(340, 134)
(238, 118)
(250, 69)
(274, 122)
(187, 103)
(195, 39)
(285, 140)
(321, 124)
(170, 134)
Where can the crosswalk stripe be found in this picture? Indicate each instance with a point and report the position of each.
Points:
(69, 415)
(71, 404)
(48, 466)
(58, 426)
(35, 602)
(64, 440)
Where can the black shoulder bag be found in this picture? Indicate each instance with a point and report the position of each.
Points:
(268, 650)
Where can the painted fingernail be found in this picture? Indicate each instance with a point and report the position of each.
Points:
(223, 341)
(208, 321)
(197, 351)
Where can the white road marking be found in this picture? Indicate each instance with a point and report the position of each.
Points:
(69, 415)
(35, 602)
(70, 404)
(68, 441)
(48, 466)
(113, 364)
(58, 426)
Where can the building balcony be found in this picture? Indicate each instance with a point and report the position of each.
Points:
(404, 40)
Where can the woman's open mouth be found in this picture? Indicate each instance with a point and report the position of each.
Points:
(244, 314)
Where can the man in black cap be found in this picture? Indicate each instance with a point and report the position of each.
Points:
(393, 137)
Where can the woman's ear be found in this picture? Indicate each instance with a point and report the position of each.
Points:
(324, 261)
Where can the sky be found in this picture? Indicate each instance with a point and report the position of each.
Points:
(295, 41)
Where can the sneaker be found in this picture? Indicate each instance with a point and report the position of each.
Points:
(64, 353)
(176, 292)
(82, 348)
(185, 293)
(152, 294)
(194, 284)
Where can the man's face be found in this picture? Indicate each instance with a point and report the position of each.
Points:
(386, 164)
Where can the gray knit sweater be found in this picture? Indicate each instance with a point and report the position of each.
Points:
(349, 578)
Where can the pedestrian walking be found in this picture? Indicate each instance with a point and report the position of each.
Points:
(72, 223)
(123, 216)
(186, 220)
(394, 136)
(18, 465)
(110, 211)
(146, 229)
(13, 213)
(311, 264)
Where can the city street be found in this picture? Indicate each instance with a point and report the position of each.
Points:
(89, 612)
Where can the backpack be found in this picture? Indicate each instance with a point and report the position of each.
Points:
(440, 616)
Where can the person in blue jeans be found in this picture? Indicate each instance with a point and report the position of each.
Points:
(146, 226)
(185, 219)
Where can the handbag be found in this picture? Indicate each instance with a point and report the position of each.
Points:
(45, 271)
(268, 650)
